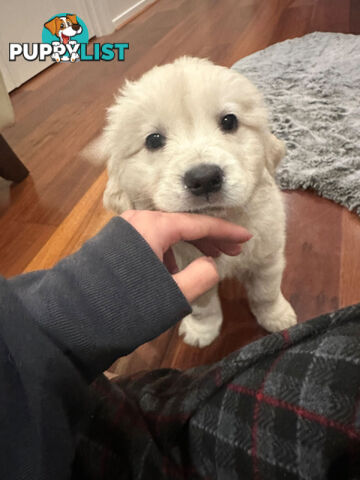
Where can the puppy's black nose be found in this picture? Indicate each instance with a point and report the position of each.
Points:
(76, 26)
(204, 179)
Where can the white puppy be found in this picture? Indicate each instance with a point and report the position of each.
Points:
(194, 137)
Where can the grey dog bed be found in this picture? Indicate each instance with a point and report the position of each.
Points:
(312, 87)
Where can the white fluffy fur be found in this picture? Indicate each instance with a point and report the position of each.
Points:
(185, 101)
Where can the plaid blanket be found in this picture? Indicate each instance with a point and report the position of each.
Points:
(285, 407)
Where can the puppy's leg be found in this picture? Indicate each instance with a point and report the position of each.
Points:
(202, 326)
(56, 56)
(74, 56)
(267, 303)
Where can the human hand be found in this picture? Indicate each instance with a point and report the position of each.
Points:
(212, 236)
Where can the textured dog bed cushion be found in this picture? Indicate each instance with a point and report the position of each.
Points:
(312, 87)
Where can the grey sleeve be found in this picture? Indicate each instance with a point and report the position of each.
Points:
(103, 301)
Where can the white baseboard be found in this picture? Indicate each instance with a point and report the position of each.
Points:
(120, 19)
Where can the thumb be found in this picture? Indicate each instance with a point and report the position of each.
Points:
(197, 278)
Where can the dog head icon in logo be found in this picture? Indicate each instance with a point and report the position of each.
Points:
(69, 30)
(64, 27)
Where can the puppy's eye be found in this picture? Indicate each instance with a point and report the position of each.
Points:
(229, 123)
(154, 141)
(62, 26)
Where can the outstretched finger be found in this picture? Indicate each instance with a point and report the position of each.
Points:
(214, 248)
(197, 278)
(190, 227)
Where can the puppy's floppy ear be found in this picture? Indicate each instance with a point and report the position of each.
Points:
(96, 152)
(274, 151)
(116, 199)
(51, 26)
(72, 17)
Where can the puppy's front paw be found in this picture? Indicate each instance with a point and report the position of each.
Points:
(199, 335)
(277, 316)
(74, 57)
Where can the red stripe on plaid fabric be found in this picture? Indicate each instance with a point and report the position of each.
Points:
(302, 412)
(258, 396)
(285, 334)
(218, 380)
(242, 389)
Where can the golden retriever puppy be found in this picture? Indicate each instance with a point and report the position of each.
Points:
(192, 136)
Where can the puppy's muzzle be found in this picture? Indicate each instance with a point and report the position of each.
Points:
(204, 179)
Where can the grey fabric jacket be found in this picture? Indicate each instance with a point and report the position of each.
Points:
(59, 329)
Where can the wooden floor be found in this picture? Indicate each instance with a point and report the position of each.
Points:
(59, 206)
